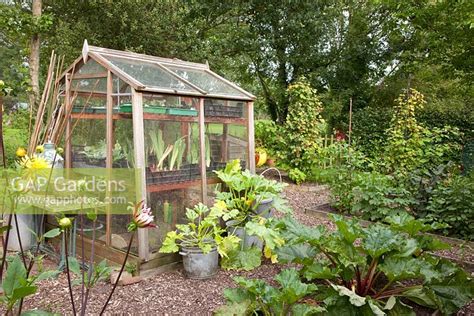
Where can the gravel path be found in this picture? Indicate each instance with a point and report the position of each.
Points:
(171, 293)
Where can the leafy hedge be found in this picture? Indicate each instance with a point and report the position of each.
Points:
(452, 203)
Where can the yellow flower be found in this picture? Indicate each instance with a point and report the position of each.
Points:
(39, 149)
(220, 205)
(35, 163)
(21, 152)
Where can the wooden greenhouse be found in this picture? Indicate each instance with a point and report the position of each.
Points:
(128, 110)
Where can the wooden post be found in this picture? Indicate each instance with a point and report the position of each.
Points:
(330, 157)
(109, 157)
(202, 150)
(67, 105)
(251, 136)
(185, 132)
(350, 120)
(225, 143)
(139, 150)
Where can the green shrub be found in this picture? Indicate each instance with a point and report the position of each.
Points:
(412, 146)
(370, 195)
(303, 127)
(267, 135)
(297, 176)
(15, 134)
(369, 129)
(452, 202)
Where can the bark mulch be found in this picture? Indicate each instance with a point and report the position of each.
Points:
(171, 293)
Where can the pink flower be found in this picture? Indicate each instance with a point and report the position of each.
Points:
(142, 217)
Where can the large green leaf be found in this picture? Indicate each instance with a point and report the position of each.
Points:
(404, 222)
(15, 276)
(246, 259)
(316, 270)
(453, 293)
(421, 296)
(52, 233)
(294, 231)
(398, 269)
(233, 309)
(297, 253)
(306, 310)
(292, 289)
(270, 236)
(379, 239)
(348, 229)
(22, 292)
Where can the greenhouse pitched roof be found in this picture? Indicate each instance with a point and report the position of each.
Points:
(156, 74)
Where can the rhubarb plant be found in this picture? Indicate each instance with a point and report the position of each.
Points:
(370, 270)
(256, 297)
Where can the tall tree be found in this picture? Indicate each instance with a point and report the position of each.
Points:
(34, 58)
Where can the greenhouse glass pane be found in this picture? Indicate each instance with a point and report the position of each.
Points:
(206, 81)
(148, 74)
(89, 85)
(91, 67)
(225, 142)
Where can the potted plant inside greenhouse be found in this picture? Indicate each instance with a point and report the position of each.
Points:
(168, 162)
(200, 241)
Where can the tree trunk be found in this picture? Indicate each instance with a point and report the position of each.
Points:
(34, 60)
(2, 148)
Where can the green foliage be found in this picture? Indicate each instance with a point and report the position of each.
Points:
(246, 191)
(245, 259)
(268, 136)
(255, 296)
(452, 202)
(370, 195)
(369, 129)
(17, 285)
(297, 176)
(372, 275)
(15, 133)
(96, 273)
(99, 151)
(304, 126)
(411, 146)
(202, 231)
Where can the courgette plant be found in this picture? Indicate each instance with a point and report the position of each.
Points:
(245, 191)
(256, 297)
(202, 231)
(375, 270)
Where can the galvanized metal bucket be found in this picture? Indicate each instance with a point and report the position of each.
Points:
(198, 265)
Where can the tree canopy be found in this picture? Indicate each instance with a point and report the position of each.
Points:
(365, 50)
